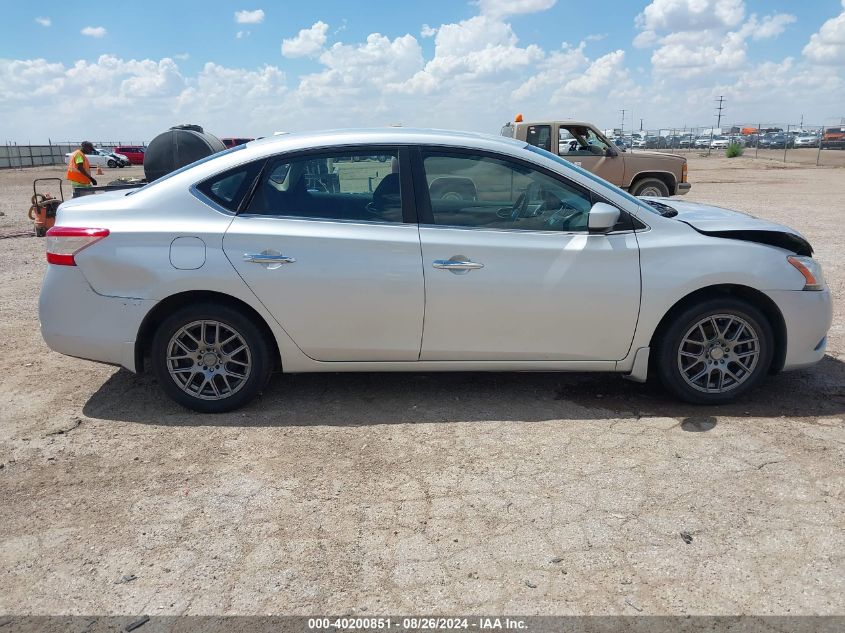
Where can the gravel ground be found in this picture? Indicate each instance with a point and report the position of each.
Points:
(424, 493)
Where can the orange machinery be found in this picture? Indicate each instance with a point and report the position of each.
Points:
(44, 207)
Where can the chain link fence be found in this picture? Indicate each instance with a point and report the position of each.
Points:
(18, 155)
(816, 144)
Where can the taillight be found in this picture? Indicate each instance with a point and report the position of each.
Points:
(684, 172)
(64, 242)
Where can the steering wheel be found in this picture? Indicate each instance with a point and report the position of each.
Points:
(560, 219)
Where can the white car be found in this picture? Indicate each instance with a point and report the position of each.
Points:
(100, 158)
(122, 160)
(806, 141)
(305, 253)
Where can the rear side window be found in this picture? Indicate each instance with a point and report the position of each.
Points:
(359, 185)
(229, 188)
(540, 136)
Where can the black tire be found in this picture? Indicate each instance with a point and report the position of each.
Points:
(668, 349)
(111, 163)
(642, 187)
(255, 340)
(40, 231)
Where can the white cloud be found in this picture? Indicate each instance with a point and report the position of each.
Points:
(427, 31)
(504, 8)
(94, 31)
(690, 15)
(645, 39)
(249, 17)
(182, 56)
(308, 42)
(600, 74)
(362, 71)
(772, 26)
(698, 37)
(44, 21)
(242, 34)
(827, 46)
(468, 51)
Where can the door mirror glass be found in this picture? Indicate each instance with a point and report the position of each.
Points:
(602, 217)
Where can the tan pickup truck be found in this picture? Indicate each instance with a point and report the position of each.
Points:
(641, 173)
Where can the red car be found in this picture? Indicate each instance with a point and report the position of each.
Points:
(134, 153)
(231, 142)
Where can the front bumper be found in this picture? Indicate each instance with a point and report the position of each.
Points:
(78, 322)
(807, 316)
(682, 188)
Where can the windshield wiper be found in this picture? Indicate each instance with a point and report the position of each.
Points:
(663, 209)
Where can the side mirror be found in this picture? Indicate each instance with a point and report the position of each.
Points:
(611, 152)
(602, 218)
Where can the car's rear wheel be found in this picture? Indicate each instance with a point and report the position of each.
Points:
(715, 351)
(211, 358)
(650, 187)
(112, 163)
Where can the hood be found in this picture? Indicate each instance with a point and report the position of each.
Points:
(719, 222)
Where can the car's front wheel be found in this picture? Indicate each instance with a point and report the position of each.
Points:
(112, 164)
(211, 358)
(715, 351)
(650, 187)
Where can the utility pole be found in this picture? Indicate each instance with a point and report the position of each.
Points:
(641, 125)
(622, 129)
(719, 109)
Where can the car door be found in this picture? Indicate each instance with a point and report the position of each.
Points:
(511, 272)
(328, 242)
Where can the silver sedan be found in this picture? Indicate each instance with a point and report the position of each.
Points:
(414, 250)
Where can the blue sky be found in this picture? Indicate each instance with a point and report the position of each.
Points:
(154, 62)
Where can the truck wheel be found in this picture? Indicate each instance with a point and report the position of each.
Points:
(211, 358)
(650, 187)
(715, 351)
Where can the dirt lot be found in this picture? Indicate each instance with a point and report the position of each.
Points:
(424, 493)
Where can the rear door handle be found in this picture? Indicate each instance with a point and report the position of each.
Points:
(267, 258)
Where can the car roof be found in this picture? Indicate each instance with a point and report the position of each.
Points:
(381, 136)
(567, 122)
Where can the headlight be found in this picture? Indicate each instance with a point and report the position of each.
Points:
(810, 269)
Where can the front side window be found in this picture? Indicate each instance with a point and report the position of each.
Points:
(479, 191)
(350, 185)
(580, 141)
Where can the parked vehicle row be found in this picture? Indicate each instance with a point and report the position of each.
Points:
(770, 138)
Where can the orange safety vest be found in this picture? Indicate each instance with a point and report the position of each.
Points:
(73, 174)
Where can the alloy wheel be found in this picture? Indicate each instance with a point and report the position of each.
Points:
(209, 360)
(719, 353)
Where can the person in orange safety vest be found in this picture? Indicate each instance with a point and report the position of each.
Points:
(78, 167)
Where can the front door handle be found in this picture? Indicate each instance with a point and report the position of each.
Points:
(457, 264)
(268, 258)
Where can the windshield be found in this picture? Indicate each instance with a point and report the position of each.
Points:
(187, 167)
(584, 172)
